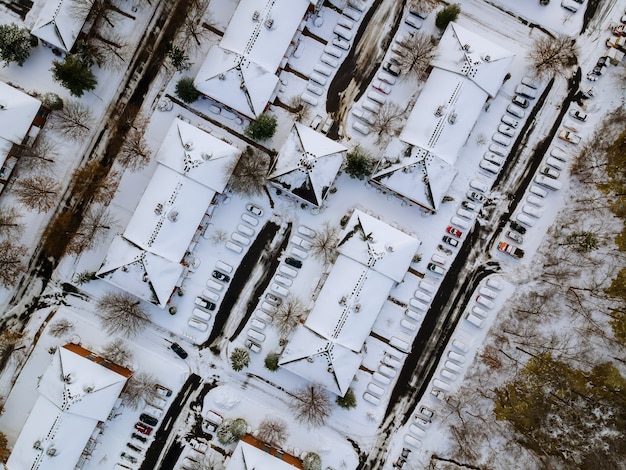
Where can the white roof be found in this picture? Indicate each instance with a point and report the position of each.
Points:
(241, 71)
(248, 457)
(307, 164)
(17, 111)
(197, 154)
(168, 214)
(444, 115)
(415, 173)
(59, 23)
(145, 275)
(327, 348)
(75, 393)
(252, 38)
(482, 61)
(386, 250)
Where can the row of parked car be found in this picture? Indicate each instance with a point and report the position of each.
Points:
(331, 55)
(485, 300)
(242, 236)
(139, 439)
(388, 368)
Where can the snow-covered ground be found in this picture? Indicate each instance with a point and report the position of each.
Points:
(256, 392)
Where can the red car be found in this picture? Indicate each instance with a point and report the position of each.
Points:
(454, 231)
(143, 428)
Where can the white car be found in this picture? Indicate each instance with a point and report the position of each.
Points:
(490, 167)
(253, 209)
(479, 185)
(501, 139)
(381, 86)
(506, 130)
(516, 111)
(413, 21)
(341, 43)
(361, 128)
(363, 115)
(509, 121)
(493, 158)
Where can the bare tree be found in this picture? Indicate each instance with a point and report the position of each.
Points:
(299, 108)
(10, 226)
(61, 327)
(38, 192)
(134, 153)
(388, 120)
(248, 174)
(419, 51)
(97, 181)
(117, 351)
(219, 236)
(109, 52)
(423, 5)
(193, 31)
(74, 121)
(288, 315)
(97, 11)
(550, 56)
(140, 388)
(93, 229)
(324, 244)
(273, 431)
(42, 154)
(311, 405)
(121, 313)
(11, 262)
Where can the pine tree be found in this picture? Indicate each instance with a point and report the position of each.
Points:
(186, 90)
(74, 75)
(14, 44)
(239, 359)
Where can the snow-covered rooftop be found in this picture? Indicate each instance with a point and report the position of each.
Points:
(444, 115)
(198, 155)
(241, 71)
(471, 55)
(373, 256)
(60, 22)
(76, 391)
(307, 164)
(17, 111)
(146, 275)
(420, 176)
(168, 214)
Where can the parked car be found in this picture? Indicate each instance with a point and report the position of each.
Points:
(531, 82)
(495, 159)
(485, 302)
(178, 349)
(203, 303)
(550, 172)
(526, 91)
(252, 346)
(569, 137)
(220, 276)
(489, 167)
(474, 196)
(149, 420)
(578, 114)
(517, 227)
(470, 206)
(130, 458)
(520, 101)
(506, 130)
(516, 111)
(435, 268)
(501, 139)
(143, 428)
(253, 209)
(454, 231)
(293, 262)
(413, 21)
(450, 241)
(382, 86)
(139, 437)
(163, 391)
(512, 250)
(341, 43)
(516, 237)
(509, 121)
(393, 69)
(479, 185)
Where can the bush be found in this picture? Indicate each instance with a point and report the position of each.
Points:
(448, 14)
(347, 401)
(14, 44)
(186, 90)
(359, 164)
(239, 359)
(311, 461)
(271, 361)
(263, 128)
(231, 430)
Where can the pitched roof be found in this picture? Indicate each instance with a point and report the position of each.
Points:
(419, 175)
(17, 112)
(307, 164)
(198, 155)
(326, 349)
(75, 393)
(60, 22)
(248, 457)
(467, 53)
(146, 275)
(241, 71)
(168, 214)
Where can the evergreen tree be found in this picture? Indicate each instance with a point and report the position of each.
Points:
(263, 128)
(448, 14)
(359, 164)
(179, 59)
(186, 90)
(14, 44)
(347, 401)
(239, 359)
(74, 75)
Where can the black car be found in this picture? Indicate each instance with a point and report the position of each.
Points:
(296, 263)
(177, 348)
(128, 457)
(220, 276)
(149, 420)
(450, 240)
(133, 447)
(139, 437)
(518, 228)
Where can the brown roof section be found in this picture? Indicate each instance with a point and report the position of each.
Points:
(284, 456)
(87, 354)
